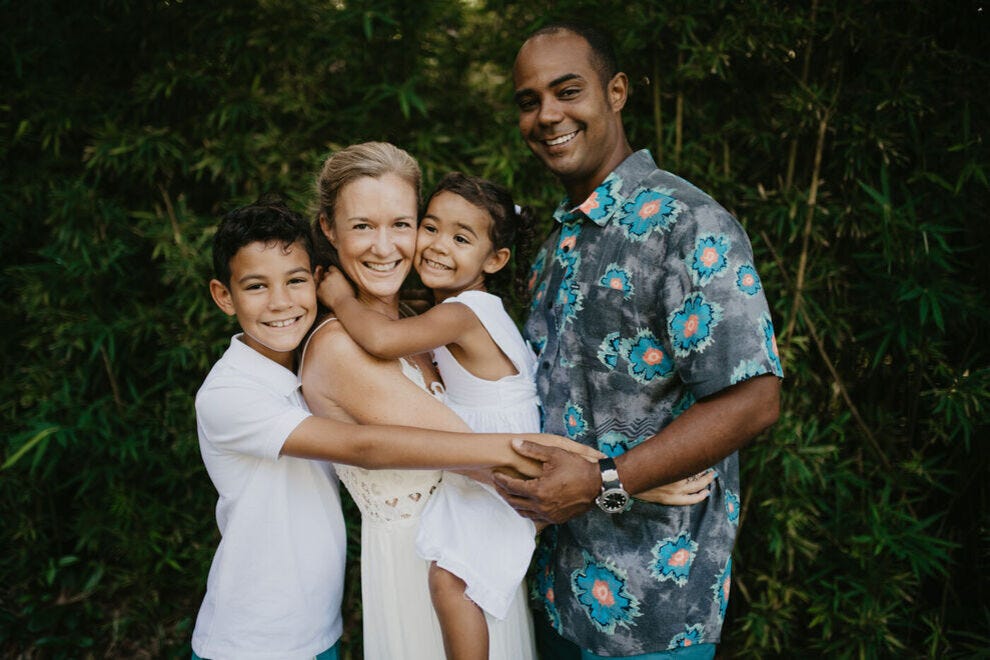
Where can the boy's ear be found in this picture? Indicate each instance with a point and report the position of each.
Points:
(497, 261)
(221, 296)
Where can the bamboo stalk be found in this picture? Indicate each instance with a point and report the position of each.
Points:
(679, 119)
(657, 111)
(805, 72)
(808, 224)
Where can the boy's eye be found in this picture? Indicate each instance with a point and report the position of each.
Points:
(254, 287)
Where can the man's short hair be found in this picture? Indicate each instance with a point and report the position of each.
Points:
(268, 220)
(602, 52)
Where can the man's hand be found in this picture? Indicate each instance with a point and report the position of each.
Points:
(566, 488)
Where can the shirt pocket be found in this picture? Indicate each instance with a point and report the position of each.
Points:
(606, 315)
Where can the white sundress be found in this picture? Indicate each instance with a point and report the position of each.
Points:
(466, 527)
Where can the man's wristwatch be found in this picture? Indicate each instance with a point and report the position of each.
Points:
(613, 498)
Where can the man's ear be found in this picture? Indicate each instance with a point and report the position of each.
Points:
(496, 261)
(221, 296)
(617, 91)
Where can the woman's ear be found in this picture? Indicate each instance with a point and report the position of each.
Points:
(221, 296)
(496, 261)
(328, 229)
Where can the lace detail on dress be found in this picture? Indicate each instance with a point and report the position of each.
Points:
(391, 495)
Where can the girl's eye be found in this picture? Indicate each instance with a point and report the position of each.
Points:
(429, 228)
(461, 239)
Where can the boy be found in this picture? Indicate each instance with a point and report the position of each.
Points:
(275, 586)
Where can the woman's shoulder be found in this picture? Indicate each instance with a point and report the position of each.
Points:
(330, 342)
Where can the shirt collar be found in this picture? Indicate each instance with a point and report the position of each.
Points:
(259, 368)
(608, 197)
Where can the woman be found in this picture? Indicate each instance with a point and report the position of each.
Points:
(368, 204)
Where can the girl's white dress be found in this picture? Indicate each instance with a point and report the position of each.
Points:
(466, 527)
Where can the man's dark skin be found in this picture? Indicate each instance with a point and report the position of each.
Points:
(571, 120)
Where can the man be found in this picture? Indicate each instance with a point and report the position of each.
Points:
(656, 347)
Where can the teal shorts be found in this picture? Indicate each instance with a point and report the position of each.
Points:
(696, 652)
(332, 653)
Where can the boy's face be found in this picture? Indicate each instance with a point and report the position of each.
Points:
(273, 295)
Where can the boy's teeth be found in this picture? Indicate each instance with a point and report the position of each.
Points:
(282, 324)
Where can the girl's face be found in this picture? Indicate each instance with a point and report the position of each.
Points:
(374, 231)
(454, 250)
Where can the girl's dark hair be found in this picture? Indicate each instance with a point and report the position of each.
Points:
(511, 228)
(269, 221)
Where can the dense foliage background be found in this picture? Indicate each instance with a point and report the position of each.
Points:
(848, 137)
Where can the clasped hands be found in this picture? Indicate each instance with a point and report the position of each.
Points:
(565, 480)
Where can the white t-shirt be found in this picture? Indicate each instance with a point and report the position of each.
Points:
(276, 582)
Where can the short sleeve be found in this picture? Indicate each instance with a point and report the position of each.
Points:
(244, 418)
(717, 318)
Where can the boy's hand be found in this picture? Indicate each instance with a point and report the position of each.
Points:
(334, 288)
(681, 493)
(560, 442)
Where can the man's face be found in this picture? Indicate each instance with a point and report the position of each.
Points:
(567, 118)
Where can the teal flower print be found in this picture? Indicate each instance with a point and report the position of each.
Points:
(618, 279)
(568, 241)
(650, 210)
(538, 295)
(599, 204)
(647, 357)
(685, 402)
(691, 326)
(613, 444)
(748, 280)
(745, 370)
(672, 559)
(709, 259)
(691, 636)
(770, 344)
(570, 300)
(608, 350)
(541, 586)
(601, 590)
(732, 506)
(721, 588)
(574, 424)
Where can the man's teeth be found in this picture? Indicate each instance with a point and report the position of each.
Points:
(282, 324)
(383, 268)
(561, 140)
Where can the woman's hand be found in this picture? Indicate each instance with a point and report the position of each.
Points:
(681, 493)
(334, 287)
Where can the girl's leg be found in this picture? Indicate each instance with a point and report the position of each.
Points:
(465, 631)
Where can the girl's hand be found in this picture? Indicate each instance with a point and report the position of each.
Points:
(681, 493)
(334, 288)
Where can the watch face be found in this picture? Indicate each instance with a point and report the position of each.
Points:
(613, 500)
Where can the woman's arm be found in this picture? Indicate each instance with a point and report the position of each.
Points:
(387, 338)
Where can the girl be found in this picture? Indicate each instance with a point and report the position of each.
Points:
(479, 546)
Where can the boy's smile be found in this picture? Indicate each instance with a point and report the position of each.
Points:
(273, 295)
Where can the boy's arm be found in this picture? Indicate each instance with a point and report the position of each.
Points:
(339, 379)
(386, 338)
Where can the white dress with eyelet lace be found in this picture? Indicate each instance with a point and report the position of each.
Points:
(399, 621)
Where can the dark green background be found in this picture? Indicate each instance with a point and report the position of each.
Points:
(848, 138)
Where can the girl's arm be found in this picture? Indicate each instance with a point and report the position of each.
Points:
(386, 338)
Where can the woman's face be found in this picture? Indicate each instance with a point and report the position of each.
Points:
(374, 231)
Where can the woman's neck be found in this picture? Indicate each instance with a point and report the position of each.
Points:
(387, 306)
